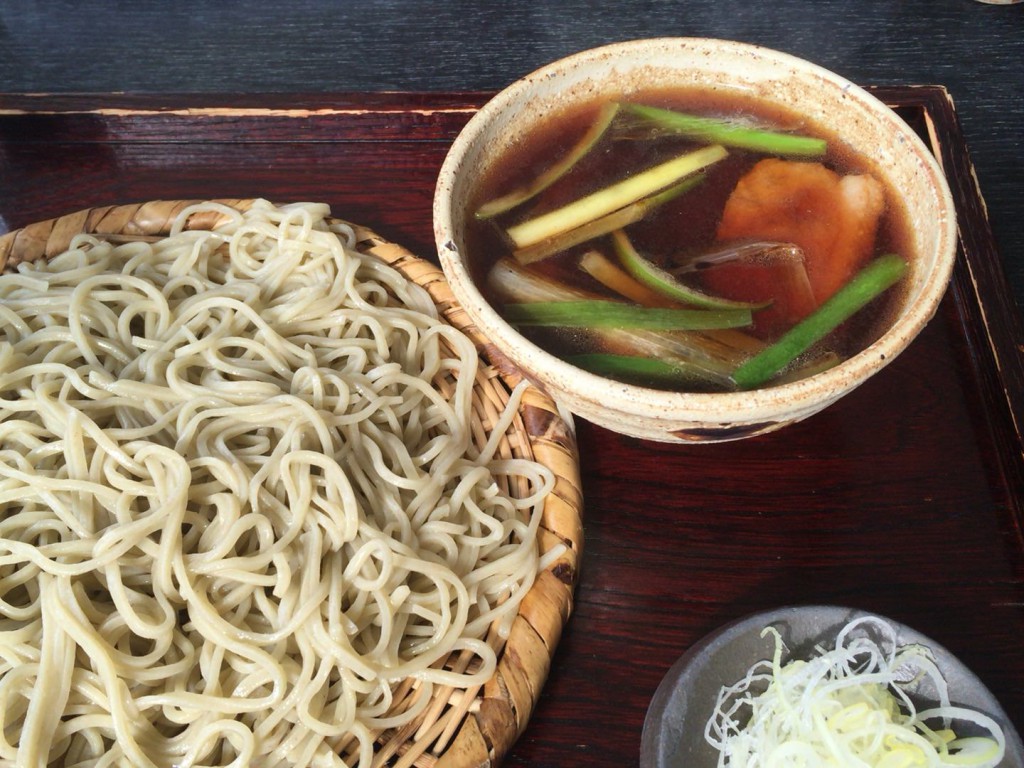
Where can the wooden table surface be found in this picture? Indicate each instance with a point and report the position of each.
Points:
(906, 498)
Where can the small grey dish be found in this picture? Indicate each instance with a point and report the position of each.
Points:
(673, 735)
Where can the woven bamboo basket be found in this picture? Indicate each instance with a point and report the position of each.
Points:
(459, 729)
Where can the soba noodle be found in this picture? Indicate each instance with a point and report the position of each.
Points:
(240, 501)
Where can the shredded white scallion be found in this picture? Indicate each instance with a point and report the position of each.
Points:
(848, 706)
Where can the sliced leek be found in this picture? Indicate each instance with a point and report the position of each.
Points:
(848, 706)
(706, 361)
(602, 225)
(616, 279)
(730, 134)
(613, 197)
(641, 370)
(533, 188)
(616, 315)
(875, 278)
(659, 280)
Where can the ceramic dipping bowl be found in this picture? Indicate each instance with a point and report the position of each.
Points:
(872, 130)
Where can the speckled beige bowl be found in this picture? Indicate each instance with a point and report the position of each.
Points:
(866, 124)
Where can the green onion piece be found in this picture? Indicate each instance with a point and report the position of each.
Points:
(818, 364)
(730, 134)
(661, 281)
(598, 313)
(709, 356)
(629, 367)
(613, 197)
(521, 194)
(870, 282)
(599, 227)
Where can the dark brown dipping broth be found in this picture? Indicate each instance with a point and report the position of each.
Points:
(684, 225)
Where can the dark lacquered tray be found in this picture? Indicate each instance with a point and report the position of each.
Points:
(906, 498)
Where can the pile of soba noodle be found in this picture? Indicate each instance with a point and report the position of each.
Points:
(236, 511)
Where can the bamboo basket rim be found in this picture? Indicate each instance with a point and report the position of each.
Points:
(455, 731)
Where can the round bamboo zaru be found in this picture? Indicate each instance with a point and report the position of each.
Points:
(458, 729)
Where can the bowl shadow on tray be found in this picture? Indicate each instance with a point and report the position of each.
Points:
(673, 732)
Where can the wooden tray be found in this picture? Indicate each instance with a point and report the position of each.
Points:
(906, 498)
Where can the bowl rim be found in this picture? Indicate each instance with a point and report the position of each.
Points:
(646, 402)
